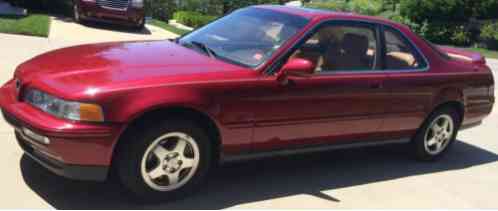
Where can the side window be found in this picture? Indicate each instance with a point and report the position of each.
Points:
(400, 55)
(341, 48)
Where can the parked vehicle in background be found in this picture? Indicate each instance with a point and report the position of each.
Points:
(262, 81)
(124, 12)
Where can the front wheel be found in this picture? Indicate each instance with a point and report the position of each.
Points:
(140, 25)
(164, 162)
(437, 134)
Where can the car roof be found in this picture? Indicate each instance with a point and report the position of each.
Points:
(310, 13)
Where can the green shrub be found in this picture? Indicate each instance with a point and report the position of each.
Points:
(160, 9)
(448, 10)
(489, 36)
(59, 7)
(490, 31)
(365, 7)
(446, 33)
(193, 19)
(460, 36)
(334, 6)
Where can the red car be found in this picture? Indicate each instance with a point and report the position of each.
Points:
(124, 12)
(262, 81)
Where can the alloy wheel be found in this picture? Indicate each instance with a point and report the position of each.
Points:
(170, 161)
(439, 134)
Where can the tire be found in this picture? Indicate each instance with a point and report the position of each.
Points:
(140, 25)
(430, 143)
(150, 161)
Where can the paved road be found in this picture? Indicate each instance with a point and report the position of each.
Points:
(363, 178)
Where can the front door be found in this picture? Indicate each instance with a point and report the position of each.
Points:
(344, 100)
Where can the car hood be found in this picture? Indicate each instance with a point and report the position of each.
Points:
(122, 65)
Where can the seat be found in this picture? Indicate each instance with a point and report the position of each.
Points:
(353, 54)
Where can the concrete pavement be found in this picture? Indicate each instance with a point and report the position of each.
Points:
(363, 178)
(66, 31)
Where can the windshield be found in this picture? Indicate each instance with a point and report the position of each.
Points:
(247, 37)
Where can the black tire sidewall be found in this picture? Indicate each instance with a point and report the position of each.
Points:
(131, 153)
(418, 143)
(140, 25)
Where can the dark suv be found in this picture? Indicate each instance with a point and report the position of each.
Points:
(125, 12)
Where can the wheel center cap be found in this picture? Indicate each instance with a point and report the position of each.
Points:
(171, 164)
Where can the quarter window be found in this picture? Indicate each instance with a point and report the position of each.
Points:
(400, 55)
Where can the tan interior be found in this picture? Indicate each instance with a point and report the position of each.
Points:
(353, 54)
(400, 60)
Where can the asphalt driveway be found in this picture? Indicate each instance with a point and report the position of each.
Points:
(363, 178)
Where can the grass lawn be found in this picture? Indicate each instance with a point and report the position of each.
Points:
(35, 25)
(487, 53)
(168, 27)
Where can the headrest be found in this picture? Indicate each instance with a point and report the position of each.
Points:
(355, 44)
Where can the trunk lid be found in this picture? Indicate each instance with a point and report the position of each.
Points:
(463, 55)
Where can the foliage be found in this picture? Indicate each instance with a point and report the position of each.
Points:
(490, 31)
(160, 9)
(334, 5)
(448, 10)
(489, 35)
(35, 24)
(231, 5)
(60, 7)
(460, 36)
(365, 7)
(193, 19)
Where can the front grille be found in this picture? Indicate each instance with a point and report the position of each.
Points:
(114, 4)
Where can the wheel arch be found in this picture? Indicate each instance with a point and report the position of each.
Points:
(449, 97)
(202, 119)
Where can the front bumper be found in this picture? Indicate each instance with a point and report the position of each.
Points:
(77, 172)
(93, 12)
(76, 150)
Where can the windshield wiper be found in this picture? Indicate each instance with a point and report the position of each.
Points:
(211, 53)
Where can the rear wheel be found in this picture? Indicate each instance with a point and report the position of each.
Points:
(164, 162)
(437, 134)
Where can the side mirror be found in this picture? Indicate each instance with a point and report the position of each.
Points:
(298, 67)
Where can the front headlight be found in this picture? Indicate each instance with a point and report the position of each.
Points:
(137, 3)
(64, 109)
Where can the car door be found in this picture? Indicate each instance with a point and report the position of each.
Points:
(411, 89)
(342, 101)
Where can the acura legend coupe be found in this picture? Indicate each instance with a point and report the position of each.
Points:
(261, 81)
